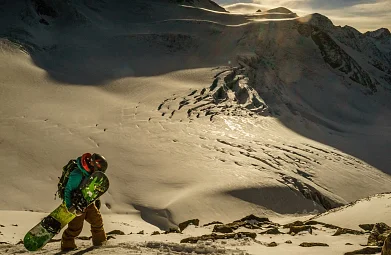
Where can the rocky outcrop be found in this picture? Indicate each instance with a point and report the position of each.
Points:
(309, 244)
(366, 250)
(366, 45)
(378, 234)
(342, 231)
(42, 7)
(58, 9)
(212, 223)
(293, 230)
(237, 235)
(367, 227)
(329, 37)
(309, 192)
(250, 222)
(338, 59)
(317, 20)
(386, 249)
(115, 232)
(381, 33)
(185, 224)
(272, 231)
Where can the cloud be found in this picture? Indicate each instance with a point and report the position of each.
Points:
(336, 4)
(364, 15)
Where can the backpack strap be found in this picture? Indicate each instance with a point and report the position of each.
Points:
(66, 170)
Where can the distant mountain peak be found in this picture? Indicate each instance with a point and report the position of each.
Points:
(279, 10)
(380, 33)
(318, 20)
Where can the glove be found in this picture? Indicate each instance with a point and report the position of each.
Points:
(97, 203)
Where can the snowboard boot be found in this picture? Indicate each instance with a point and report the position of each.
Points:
(68, 245)
(99, 238)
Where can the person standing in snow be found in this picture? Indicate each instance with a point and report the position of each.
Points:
(85, 166)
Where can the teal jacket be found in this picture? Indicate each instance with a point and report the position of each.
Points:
(75, 178)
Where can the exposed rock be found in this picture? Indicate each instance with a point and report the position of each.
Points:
(85, 238)
(338, 59)
(367, 227)
(296, 229)
(212, 223)
(155, 233)
(116, 232)
(183, 225)
(250, 222)
(304, 29)
(364, 44)
(341, 231)
(366, 250)
(378, 234)
(216, 237)
(172, 230)
(381, 33)
(386, 249)
(272, 231)
(288, 241)
(255, 219)
(110, 237)
(352, 38)
(305, 244)
(272, 244)
(313, 222)
(43, 8)
(309, 192)
(317, 20)
(223, 229)
(56, 9)
(294, 224)
(259, 10)
(43, 21)
(141, 232)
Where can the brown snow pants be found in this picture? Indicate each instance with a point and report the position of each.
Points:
(92, 216)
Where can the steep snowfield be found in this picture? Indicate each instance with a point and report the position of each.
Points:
(201, 113)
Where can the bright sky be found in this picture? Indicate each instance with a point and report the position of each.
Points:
(364, 15)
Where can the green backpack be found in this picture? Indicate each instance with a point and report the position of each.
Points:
(63, 180)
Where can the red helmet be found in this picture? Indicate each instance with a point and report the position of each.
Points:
(94, 162)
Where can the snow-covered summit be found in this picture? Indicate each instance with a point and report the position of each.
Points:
(279, 10)
(279, 13)
(318, 20)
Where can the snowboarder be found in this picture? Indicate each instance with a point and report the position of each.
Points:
(85, 166)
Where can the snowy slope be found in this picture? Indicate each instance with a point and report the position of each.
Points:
(201, 113)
